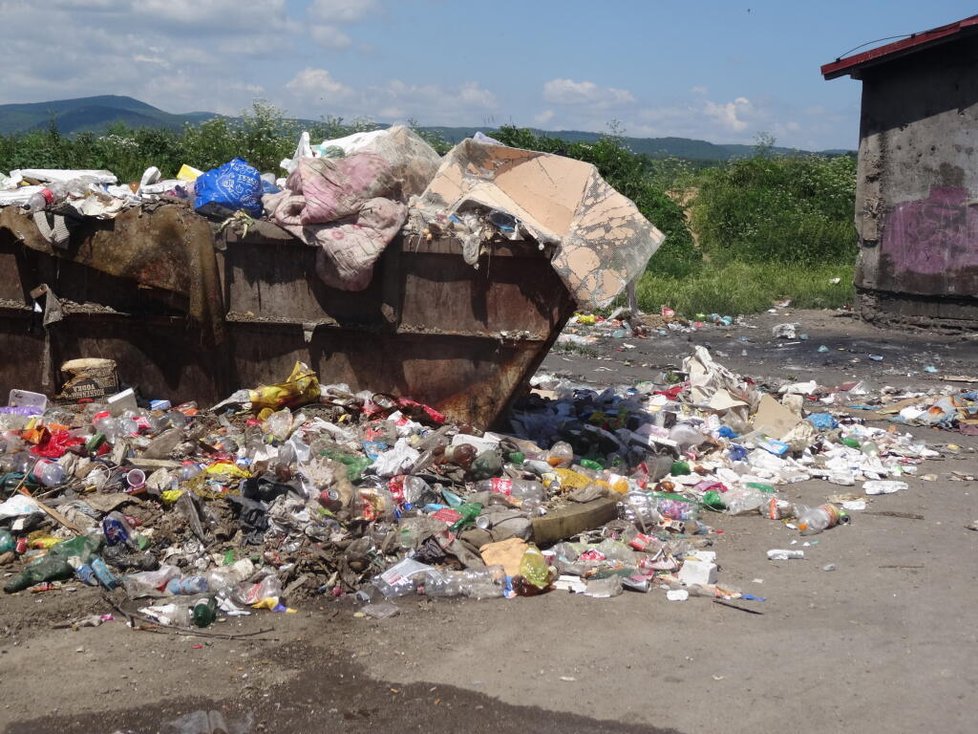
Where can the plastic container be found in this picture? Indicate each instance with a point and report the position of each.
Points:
(204, 612)
(187, 586)
(561, 454)
(135, 481)
(116, 529)
(47, 568)
(518, 489)
(49, 473)
(812, 520)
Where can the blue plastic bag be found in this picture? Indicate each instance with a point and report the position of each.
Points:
(232, 186)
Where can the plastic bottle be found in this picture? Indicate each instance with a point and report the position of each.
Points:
(487, 464)
(204, 611)
(519, 489)
(82, 547)
(474, 584)
(47, 568)
(149, 583)
(469, 511)
(743, 500)
(417, 491)
(105, 577)
(52, 194)
(462, 455)
(187, 586)
(49, 473)
(812, 520)
(85, 574)
(7, 542)
(561, 454)
(116, 529)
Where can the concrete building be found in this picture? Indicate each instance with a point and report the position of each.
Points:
(917, 187)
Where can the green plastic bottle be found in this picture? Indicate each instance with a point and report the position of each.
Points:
(679, 468)
(48, 568)
(488, 464)
(204, 611)
(470, 511)
(81, 546)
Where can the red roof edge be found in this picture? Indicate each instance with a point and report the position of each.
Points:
(914, 43)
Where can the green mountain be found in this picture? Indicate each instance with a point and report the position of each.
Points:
(90, 114)
(98, 113)
(686, 148)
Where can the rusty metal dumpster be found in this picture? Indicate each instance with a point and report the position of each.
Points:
(429, 326)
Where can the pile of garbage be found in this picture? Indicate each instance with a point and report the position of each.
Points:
(299, 489)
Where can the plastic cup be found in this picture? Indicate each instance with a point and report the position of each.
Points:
(136, 479)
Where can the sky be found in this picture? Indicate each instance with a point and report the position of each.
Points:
(717, 70)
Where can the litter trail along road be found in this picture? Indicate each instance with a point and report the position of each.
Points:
(870, 631)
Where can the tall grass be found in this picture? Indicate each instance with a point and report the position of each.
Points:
(739, 288)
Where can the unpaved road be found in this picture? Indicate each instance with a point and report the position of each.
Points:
(885, 642)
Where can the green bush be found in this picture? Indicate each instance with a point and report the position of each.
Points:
(788, 209)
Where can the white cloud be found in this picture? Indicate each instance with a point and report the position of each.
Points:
(570, 92)
(731, 115)
(474, 96)
(324, 18)
(340, 11)
(318, 83)
(542, 118)
(699, 89)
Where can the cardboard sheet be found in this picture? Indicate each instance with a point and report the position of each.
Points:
(602, 240)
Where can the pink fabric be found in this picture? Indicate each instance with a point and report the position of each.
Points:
(334, 188)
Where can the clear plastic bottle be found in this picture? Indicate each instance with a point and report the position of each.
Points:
(561, 454)
(51, 195)
(812, 520)
(518, 489)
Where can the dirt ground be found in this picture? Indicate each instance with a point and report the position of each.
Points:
(884, 642)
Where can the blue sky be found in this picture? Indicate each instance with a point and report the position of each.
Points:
(719, 71)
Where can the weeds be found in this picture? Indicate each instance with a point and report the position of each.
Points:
(738, 288)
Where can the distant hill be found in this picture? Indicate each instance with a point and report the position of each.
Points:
(94, 114)
(686, 148)
(90, 114)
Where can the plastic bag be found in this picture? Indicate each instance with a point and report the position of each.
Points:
(228, 188)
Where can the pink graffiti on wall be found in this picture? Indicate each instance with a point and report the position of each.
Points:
(935, 235)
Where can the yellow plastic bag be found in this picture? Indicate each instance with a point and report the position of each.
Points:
(301, 387)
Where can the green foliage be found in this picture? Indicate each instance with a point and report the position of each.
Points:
(776, 208)
(262, 136)
(739, 287)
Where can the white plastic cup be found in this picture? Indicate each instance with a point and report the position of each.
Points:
(136, 479)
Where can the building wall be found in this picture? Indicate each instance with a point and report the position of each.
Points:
(917, 187)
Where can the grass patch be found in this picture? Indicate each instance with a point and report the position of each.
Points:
(740, 288)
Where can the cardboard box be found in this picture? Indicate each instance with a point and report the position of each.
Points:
(89, 378)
